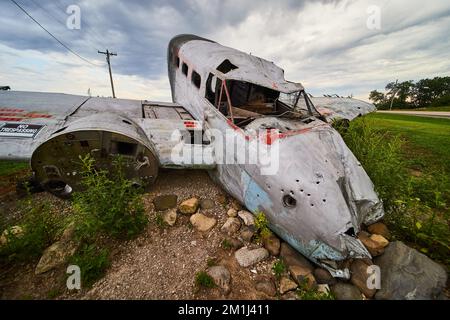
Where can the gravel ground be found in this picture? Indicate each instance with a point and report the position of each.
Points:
(159, 264)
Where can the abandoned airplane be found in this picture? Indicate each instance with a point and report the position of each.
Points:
(317, 198)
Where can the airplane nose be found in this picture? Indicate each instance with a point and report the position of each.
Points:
(319, 196)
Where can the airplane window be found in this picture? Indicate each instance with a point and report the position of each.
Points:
(184, 69)
(211, 84)
(226, 66)
(196, 79)
(177, 62)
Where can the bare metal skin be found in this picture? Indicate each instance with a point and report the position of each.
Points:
(319, 196)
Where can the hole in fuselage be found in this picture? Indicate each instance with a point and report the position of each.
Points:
(289, 201)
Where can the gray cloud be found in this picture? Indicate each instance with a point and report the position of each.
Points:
(324, 44)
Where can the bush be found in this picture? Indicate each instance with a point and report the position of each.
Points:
(93, 262)
(40, 228)
(109, 202)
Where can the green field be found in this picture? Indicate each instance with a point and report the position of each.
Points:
(427, 139)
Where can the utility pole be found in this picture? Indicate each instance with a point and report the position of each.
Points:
(108, 54)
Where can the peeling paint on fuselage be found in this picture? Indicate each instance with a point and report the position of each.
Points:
(316, 168)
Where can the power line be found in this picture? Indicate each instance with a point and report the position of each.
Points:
(60, 42)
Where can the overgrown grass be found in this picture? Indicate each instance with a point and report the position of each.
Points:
(390, 148)
(40, 228)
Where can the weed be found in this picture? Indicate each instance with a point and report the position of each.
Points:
(262, 226)
(211, 262)
(160, 221)
(202, 279)
(53, 293)
(93, 262)
(304, 292)
(109, 202)
(279, 268)
(40, 227)
(226, 244)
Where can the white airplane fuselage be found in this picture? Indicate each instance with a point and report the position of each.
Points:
(320, 195)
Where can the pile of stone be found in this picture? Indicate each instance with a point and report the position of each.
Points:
(405, 273)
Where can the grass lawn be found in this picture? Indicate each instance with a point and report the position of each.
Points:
(428, 139)
(11, 167)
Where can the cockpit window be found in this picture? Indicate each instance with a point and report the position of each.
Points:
(226, 66)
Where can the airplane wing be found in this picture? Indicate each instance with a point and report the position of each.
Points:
(334, 108)
(29, 118)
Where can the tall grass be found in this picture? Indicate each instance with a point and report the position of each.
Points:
(417, 208)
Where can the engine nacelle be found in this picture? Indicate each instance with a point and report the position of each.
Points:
(56, 163)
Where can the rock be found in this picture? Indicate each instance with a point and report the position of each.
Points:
(359, 277)
(206, 204)
(323, 288)
(231, 226)
(323, 276)
(409, 274)
(15, 231)
(292, 258)
(247, 217)
(69, 232)
(379, 228)
(346, 291)
(302, 276)
(272, 244)
(221, 277)
(202, 223)
(55, 256)
(380, 240)
(165, 202)
(189, 206)
(374, 248)
(286, 285)
(234, 243)
(247, 234)
(266, 286)
(246, 257)
(232, 213)
(170, 217)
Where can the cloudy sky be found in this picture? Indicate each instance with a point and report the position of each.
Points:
(328, 46)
